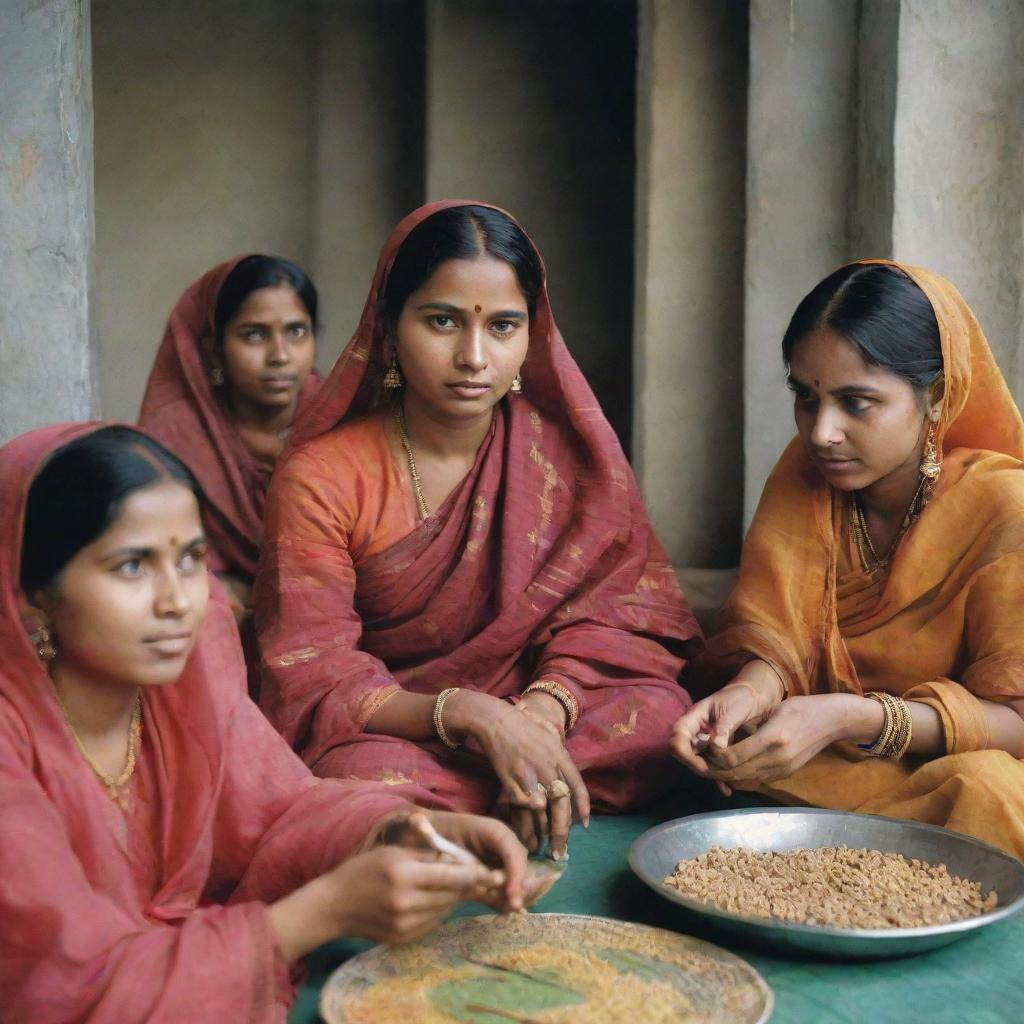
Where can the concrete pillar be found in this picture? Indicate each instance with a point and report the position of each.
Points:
(46, 214)
(801, 175)
(688, 322)
(530, 105)
(959, 159)
(368, 160)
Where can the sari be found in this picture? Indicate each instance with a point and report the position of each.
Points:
(157, 912)
(185, 413)
(541, 564)
(944, 625)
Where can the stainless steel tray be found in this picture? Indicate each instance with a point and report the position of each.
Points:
(655, 854)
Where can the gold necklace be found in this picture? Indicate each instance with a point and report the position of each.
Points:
(111, 784)
(421, 502)
(859, 527)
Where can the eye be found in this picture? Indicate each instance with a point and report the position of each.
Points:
(298, 330)
(855, 405)
(253, 335)
(804, 396)
(193, 560)
(441, 320)
(129, 569)
(505, 326)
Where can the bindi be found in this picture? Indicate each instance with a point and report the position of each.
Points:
(477, 308)
(817, 383)
(174, 542)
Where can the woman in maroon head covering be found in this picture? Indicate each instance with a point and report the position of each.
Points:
(164, 855)
(233, 371)
(460, 593)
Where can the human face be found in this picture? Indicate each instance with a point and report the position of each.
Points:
(861, 424)
(126, 610)
(462, 337)
(268, 349)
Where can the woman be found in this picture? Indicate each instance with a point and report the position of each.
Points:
(460, 592)
(164, 855)
(875, 639)
(233, 371)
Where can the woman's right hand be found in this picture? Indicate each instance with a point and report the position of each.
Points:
(527, 754)
(389, 894)
(744, 703)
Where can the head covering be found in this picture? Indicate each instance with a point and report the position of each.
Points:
(784, 607)
(183, 410)
(542, 562)
(77, 938)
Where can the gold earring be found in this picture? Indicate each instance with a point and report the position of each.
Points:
(930, 467)
(42, 640)
(516, 387)
(217, 377)
(393, 376)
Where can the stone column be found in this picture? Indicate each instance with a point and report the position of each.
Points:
(46, 215)
(688, 320)
(801, 147)
(958, 142)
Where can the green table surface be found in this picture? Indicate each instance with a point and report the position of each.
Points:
(979, 979)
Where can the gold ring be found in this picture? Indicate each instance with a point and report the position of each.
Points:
(557, 790)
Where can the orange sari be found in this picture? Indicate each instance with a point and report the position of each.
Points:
(945, 626)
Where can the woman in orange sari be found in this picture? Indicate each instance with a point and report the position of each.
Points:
(460, 592)
(874, 644)
(233, 371)
(164, 855)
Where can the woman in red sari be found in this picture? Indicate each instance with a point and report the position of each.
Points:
(164, 855)
(460, 592)
(234, 369)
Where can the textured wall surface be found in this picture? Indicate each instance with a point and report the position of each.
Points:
(46, 215)
(531, 106)
(204, 149)
(688, 327)
(959, 159)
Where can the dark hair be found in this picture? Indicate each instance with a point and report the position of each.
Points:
(81, 490)
(460, 233)
(253, 273)
(881, 311)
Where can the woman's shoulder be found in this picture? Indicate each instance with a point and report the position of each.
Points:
(993, 482)
(346, 450)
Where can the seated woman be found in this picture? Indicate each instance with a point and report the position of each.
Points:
(233, 371)
(164, 855)
(875, 639)
(460, 593)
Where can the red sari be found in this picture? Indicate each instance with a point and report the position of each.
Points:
(184, 412)
(156, 913)
(540, 565)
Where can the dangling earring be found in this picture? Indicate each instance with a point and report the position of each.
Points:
(393, 376)
(516, 387)
(217, 377)
(930, 467)
(42, 640)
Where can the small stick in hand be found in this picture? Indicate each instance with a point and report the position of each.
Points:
(420, 824)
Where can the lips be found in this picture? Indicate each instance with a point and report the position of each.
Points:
(169, 645)
(469, 388)
(280, 382)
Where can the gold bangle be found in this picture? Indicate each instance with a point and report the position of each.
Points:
(564, 696)
(897, 729)
(439, 723)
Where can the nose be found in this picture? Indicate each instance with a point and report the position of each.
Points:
(171, 599)
(471, 353)
(277, 349)
(826, 431)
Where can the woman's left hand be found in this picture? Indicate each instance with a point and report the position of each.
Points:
(790, 736)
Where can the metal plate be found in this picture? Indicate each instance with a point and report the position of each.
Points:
(550, 968)
(655, 854)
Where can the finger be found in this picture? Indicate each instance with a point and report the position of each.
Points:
(560, 814)
(724, 788)
(682, 747)
(452, 878)
(523, 825)
(410, 927)
(578, 791)
(540, 817)
(496, 842)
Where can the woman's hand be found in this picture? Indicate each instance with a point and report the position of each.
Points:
(792, 734)
(396, 893)
(707, 729)
(527, 751)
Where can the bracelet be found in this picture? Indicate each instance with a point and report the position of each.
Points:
(564, 696)
(439, 728)
(897, 728)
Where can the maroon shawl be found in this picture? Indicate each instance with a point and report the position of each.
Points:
(182, 410)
